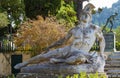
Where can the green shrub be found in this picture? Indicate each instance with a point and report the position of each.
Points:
(11, 76)
(117, 35)
(67, 14)
(117, 46)
(3, 20)
(84, 75)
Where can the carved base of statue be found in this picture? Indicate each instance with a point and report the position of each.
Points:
(48, 70)
(55, 70)
(62, 68)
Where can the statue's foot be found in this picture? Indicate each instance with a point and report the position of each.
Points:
(20, 65)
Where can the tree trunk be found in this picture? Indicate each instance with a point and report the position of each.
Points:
(79, 8)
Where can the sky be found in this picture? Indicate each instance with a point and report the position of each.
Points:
(101, 3)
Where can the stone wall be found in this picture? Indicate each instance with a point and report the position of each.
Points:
(5, 63)
(5, 66)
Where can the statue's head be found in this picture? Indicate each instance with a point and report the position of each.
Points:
(86, 16)
(89, 7)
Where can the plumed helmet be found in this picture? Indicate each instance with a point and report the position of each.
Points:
(89, 7)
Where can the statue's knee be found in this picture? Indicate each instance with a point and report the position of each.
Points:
(75, 60)
(70, 60)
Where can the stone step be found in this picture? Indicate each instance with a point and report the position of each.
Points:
(113, 75)
(113, 62)
(36, 75)
(116, 53)
(115, 57)
(112, 65)
(111, 68)
(113, 72)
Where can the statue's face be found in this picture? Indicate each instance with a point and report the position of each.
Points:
(85, 18)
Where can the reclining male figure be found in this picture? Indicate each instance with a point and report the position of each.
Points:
(84, 36)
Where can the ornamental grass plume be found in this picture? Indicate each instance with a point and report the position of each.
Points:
(36, 35)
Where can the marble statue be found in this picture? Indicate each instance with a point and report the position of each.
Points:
(78, 52)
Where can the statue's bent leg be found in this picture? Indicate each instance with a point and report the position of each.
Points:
(57, 53)
(78, 58)
(111, 26)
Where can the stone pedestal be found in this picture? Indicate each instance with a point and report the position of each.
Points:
(55, 70)
(110, 42)
(39, 75)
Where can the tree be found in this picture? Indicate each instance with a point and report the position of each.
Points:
(67, 15)
(14, 8)
(79, 6)
(41, 7)
(49, 7)
(4, 20)
(3, 23)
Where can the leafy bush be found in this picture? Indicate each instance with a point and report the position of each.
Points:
(64, 11)
(11, 76)
(117, 35)
(117, 31)
(67, 13)
(117, 46)
(41, 7)
(15, 8)
(38, 34)
(85, 75)
(3, 20)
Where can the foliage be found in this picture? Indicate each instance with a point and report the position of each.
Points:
(117, 31)
(3, 20)
(38, 34)
(13, 7)
(84, 75)
(41, 7)
(95, 47)
(93, 75)
(117, 35)
(117, 46)
(67, 13)
(11, 76)
(64, 11)
(96, 75)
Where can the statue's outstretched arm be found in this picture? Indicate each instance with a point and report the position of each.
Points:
(61, 41)
(101, 40)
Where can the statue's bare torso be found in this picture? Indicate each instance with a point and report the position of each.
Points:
(84, 38)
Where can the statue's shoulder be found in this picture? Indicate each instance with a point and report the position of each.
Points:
(95, 27)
